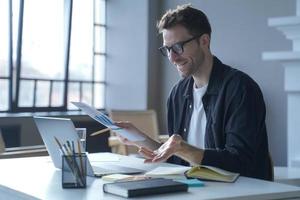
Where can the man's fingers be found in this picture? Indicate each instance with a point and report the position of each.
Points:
(163, 156)
(144, 149)
(148, 160)
(146, 153)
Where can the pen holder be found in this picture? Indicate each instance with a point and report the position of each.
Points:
(74, 171)
(81, 132)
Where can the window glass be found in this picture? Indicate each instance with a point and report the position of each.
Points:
(42, 93)
(26, 93)
(81, 47)
(3, 94)
(43, 63)
(73, 95)
(99, 62)
(57, 97)
(43, 39)
(99, 96)
(100, 15)
(99, 39)
(15, 19)
(4, 55)
(4, 38)
(87, 93)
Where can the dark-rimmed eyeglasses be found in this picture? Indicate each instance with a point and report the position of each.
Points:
(176, 48)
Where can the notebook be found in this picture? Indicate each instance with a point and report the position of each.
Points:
(144, 187)
(63, 129)
(205, 172)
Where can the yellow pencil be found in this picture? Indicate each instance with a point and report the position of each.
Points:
(99, 132)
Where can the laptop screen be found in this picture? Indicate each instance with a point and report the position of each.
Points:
(61, 128)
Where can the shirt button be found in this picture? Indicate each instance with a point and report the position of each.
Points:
(190, 105)
(184, 129)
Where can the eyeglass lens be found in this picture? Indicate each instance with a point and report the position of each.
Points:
(176, 48)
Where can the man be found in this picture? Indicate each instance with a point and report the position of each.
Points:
(216, 114)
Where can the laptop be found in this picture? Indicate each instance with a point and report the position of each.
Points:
(64, 130)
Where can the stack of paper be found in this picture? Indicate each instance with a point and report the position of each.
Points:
(168, 172)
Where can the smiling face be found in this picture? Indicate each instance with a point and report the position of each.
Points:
(191, 60)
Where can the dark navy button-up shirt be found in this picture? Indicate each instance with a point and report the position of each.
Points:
(235, 136)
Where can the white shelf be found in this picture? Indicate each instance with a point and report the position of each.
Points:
(282, 56)
(284, 21)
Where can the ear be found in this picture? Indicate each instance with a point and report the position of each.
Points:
(205, 40)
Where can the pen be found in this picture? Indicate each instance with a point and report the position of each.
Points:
(69, 146)
(60, 146)
(67, 150)
(99, 132)
(104, 130)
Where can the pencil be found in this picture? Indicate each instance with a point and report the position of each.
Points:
(79, 152)
(99, 132)
(60, 146)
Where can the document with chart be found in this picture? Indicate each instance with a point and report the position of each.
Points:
(106, 121)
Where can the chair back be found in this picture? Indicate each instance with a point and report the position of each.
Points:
(145, 120)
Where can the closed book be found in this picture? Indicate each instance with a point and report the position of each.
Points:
(205, 172)
(144, 187)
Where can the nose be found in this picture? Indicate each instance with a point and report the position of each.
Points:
(172, 56)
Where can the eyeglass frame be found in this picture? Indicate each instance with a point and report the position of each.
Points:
(181, 44)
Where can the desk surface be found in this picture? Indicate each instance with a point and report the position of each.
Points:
(36, 178)
(287, 175)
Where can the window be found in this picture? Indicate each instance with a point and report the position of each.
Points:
(4, 56)
(60, 54)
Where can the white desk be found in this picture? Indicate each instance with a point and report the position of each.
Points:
(287, 175)
(36, 178)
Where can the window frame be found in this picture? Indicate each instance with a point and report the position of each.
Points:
(15, 79)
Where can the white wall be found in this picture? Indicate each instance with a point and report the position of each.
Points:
(240, 35)
(127, 54)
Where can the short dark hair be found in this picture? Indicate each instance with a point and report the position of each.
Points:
(194, 20)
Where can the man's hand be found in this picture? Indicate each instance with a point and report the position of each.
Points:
(175, 145)
(169, 148)
(147, 143)
(131, 128)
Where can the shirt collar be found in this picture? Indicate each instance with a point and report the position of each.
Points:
(215, 80)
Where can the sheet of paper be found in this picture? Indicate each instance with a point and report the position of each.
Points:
(106, 121)
(165, 171)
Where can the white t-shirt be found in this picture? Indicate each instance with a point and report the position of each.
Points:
(198, 120)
